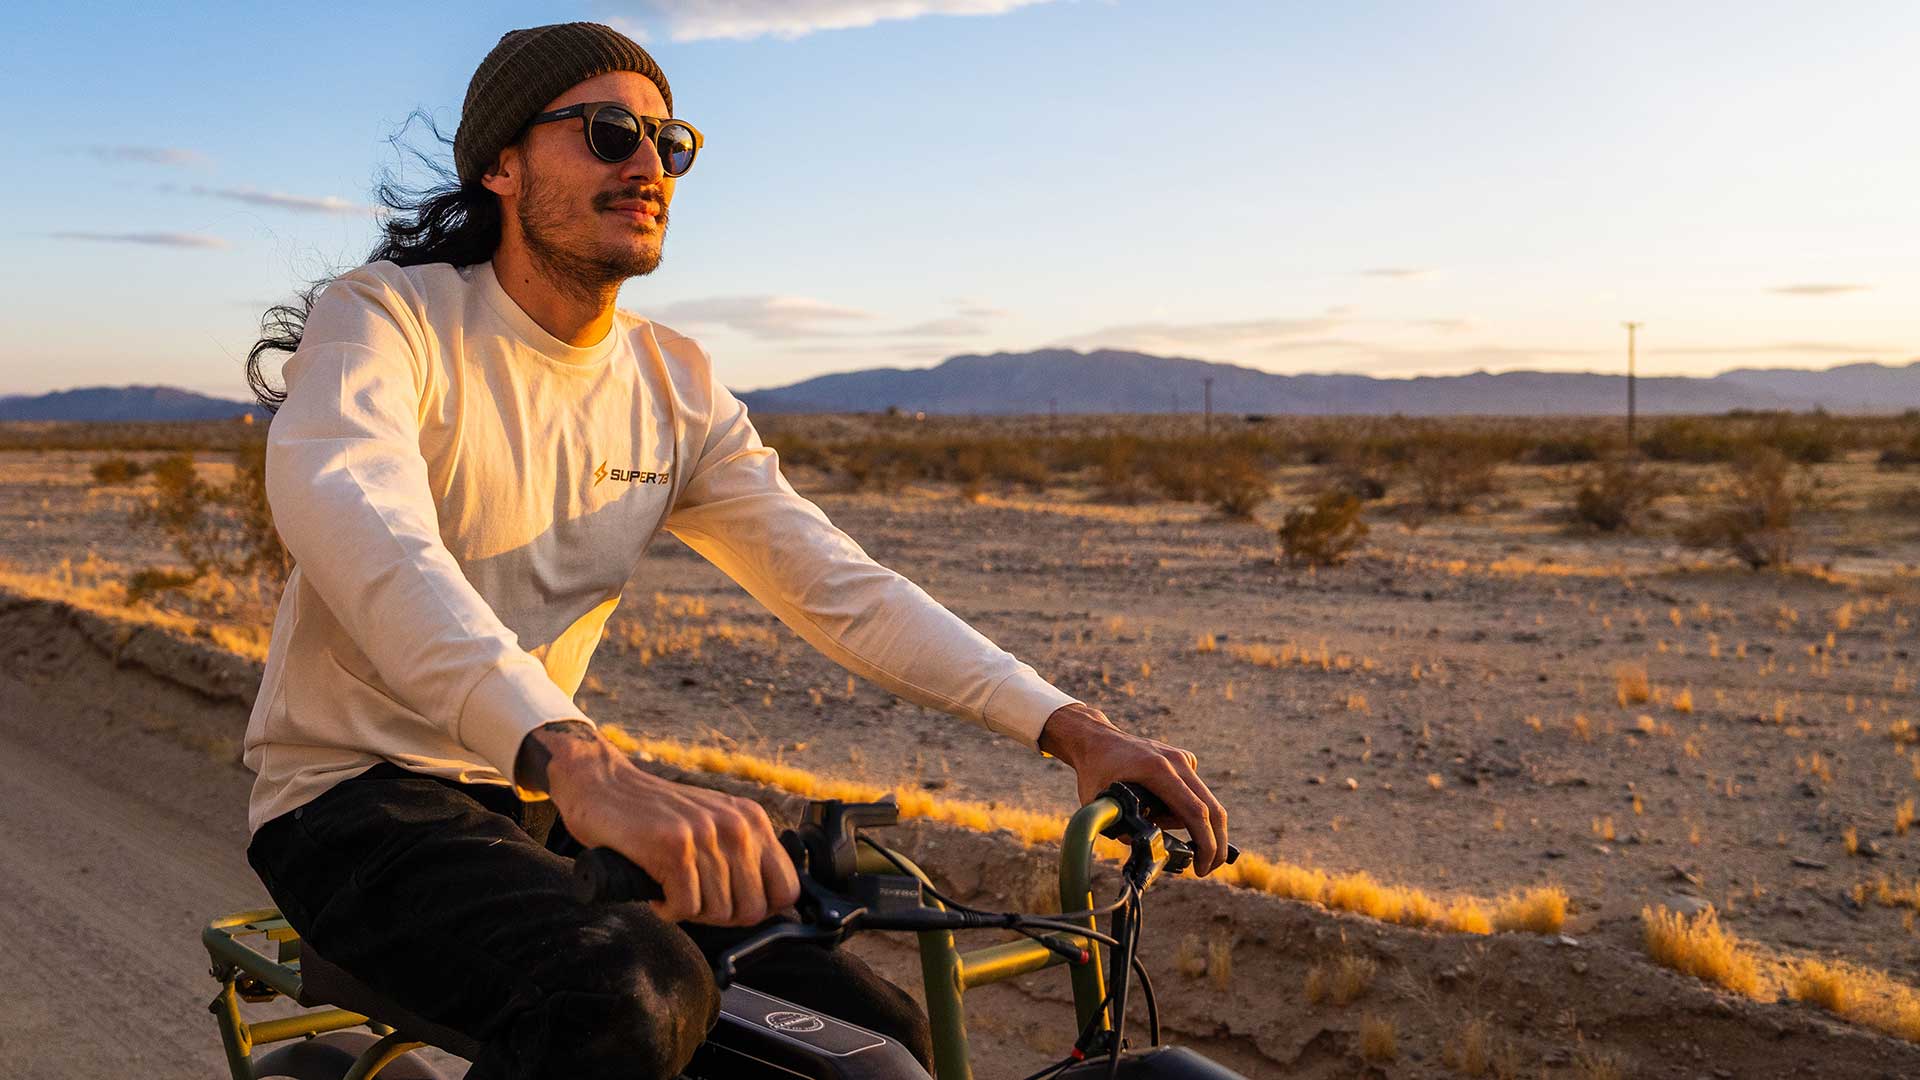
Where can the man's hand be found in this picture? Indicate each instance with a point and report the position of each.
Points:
(1101, 754)
(714, 855)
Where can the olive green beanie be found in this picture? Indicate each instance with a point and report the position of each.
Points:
(529, 68)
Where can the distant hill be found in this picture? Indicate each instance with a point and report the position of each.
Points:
(124, 403)
(1113, 381)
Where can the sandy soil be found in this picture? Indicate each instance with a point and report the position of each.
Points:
(1464, 733)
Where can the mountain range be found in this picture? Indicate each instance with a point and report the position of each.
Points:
(1114, 381)
(125, 403)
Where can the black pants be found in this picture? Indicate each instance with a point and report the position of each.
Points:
(455, 900)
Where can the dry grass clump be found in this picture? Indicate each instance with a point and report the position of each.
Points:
(1341, 982)
(1617, 497)
(1630, 685)
(1471, 1049)
(1862, 995)
(1755, 519)
(1323, 533)
(1537, 911)
(1378, 1038)
(1701, 947)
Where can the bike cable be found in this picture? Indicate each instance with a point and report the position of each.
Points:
(958, 906)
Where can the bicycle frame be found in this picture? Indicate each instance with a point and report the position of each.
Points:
(947, 973)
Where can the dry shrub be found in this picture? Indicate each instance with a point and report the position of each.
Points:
(1236, 484)
(1539, 910)
(117, 470)
(1341, 982)
(1323, 534)
(1121, 478)
(1378, 1038)
(221, 531)
(1859, 994)
(1617, 497)
(1754, 521)
(1451, 469)
(1700, 947)
(1471, 1050)
(1630, 684)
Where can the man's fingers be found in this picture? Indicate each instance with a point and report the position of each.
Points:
(682, 890)
(1216, 814)
(778, 879)
(1184, 804)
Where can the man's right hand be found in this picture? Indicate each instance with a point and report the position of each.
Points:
(714, 855)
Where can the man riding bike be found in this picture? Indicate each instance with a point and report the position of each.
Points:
(473, 448)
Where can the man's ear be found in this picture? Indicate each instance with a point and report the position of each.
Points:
(503, 176)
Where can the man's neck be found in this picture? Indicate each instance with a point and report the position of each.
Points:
(576, 316)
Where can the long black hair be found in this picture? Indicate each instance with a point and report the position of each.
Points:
(443, 221)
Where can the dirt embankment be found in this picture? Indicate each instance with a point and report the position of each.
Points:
(123, 828)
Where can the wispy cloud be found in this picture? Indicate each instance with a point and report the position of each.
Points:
(769, 318)
(958, 326)
(1214, 337)
(1823, 348)
(147, 155)
(1397, 272)
(1817, 289)
(697, 20)
(305, 204)
(154, 239)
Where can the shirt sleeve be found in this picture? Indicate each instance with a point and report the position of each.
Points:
(740, 513)
(349, 492)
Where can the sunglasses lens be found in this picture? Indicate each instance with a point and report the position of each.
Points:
(675, 143)
(614, 134)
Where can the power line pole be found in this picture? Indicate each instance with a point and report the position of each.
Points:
(1208, 384)
(1632, 447)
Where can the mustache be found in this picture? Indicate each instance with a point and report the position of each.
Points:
(605, 200)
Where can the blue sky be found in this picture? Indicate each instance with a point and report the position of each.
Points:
(1389, 189)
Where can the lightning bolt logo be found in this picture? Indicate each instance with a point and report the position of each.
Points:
(600, 473)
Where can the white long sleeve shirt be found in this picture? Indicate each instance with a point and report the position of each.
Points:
(465, 495)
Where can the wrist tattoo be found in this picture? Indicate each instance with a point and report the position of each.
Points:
(536, 751)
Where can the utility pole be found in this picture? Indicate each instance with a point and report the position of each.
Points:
(1208, 384)
(1633, 449)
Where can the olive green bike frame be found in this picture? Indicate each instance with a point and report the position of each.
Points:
(246, 973)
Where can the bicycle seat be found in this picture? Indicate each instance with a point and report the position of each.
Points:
(323, 982)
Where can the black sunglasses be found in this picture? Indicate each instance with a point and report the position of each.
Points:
(614, 132)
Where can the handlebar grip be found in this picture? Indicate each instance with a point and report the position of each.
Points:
(602, 875)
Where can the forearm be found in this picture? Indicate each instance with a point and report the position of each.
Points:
(564, 741)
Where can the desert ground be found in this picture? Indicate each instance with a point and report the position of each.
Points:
(1477, 701)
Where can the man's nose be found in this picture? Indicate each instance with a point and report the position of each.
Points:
(644, 164)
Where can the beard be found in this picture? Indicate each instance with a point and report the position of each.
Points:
(568, 250)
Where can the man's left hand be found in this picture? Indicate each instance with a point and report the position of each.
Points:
(1102, 754)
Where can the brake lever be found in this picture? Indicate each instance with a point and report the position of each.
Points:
(1136, 804)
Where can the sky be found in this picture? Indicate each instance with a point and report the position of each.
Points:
(1378, 188)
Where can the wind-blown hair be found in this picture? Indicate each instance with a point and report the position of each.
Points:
(444, 221)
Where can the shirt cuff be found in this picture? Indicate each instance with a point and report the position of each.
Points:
(505, 705)
(1020, 705)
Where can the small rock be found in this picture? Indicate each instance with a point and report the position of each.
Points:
(1686, 905)
(1680, 873)
(1553, 853)
(1352, 784)
(1579, 967)
(1808, 864)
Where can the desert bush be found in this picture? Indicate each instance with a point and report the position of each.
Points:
(1615, 496)
(117, 470)
(1450, 470)
(1564, 449)
(1324, 533)
(1237, 484)
(1902, 454)
(1755, 518)
(1121, 476)
(225, 530)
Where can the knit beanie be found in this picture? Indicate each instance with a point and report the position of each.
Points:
(529, 68)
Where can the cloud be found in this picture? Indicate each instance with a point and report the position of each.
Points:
(1817, 289)
(1826, 348)
(1396, 272)
(698, 20)
(957, 326)
(769, 318)
(148, 155)
(156, 239)
(305, 204)
(1186, 338)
